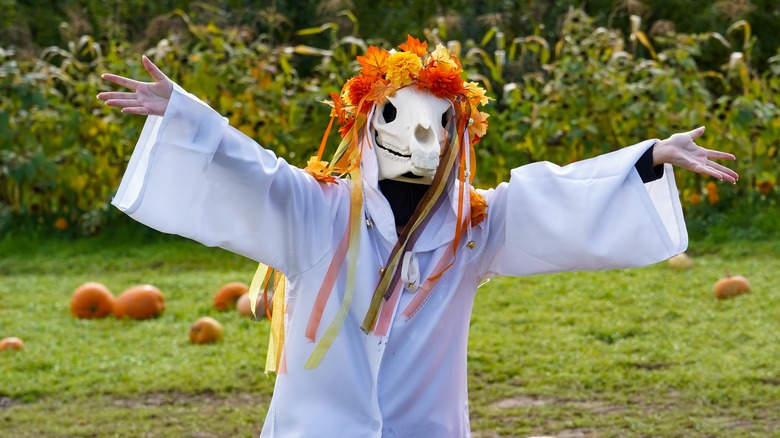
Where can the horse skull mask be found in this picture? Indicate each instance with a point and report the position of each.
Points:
(410, 133)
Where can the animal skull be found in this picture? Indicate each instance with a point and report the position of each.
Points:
(410, 135)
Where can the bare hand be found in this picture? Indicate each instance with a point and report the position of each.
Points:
(681, 150)
(147, 98)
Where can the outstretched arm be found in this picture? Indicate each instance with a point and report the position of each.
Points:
(147, 98)
(192, 174)
(682, 151)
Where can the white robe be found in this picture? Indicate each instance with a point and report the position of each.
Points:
(191, 174)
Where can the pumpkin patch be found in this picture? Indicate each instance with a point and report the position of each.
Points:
(227, 295)
(205, 330)
(92, 300)
(140, 302)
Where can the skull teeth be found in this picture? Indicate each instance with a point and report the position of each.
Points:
(392, 151)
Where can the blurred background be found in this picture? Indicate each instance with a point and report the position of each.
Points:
(568, 81)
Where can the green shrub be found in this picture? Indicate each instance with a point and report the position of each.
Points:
(590, 91)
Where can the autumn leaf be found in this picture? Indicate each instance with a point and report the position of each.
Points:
(414, 45)
(338, 108)
(319, 170)
(478, 125)
(381, 90)
(475, 94)
(374, 61)
(478, 208)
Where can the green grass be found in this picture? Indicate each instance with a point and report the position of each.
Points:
(641, 352)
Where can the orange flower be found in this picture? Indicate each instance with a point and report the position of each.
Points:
(402, 66)
(712, 193)
(357, 88)
(694, 199)
(61, 224)
(442, 80)
(478, 207)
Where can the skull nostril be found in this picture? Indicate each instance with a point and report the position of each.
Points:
(423, 135)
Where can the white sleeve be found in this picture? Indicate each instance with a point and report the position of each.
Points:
(191, 174)
(589, 215)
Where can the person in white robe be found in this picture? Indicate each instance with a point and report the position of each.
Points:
(194, 175)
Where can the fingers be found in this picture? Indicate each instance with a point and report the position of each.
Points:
(718, 155)
(728, 174)
(132, 84)
(136, 110)
(127, 101)
(730, 177)
(156, 73)
(121, 80)
(715, 170)
(723, 174)
(109, 95)
(696, 133)
(123, 103)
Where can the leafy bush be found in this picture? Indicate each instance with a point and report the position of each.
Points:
(596, 93)
(590, 91)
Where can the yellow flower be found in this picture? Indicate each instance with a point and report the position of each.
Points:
(475, 94)
(402, 66)
(442, 55)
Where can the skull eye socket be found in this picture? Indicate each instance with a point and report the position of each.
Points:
(445, 119)
(389, 112)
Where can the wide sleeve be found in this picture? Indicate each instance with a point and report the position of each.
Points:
(589, 215)
(193, 175)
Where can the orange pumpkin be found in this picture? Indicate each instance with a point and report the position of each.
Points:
(731, 286)
(205, 330)
(11, 343)
(228, 295)
(140, 302)
(91, 300)
(244, 307)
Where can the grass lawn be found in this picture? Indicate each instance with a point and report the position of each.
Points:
(644, 352)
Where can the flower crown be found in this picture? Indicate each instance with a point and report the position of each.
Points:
(384, 72)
